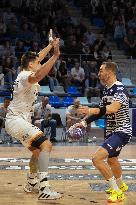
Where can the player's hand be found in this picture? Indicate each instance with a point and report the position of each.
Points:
(56, 47)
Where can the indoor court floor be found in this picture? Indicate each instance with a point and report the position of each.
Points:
(71, 173)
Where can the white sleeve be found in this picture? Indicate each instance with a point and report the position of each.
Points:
(36, 107)
(24, 79)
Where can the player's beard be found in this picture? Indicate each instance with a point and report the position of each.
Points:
(104, 79)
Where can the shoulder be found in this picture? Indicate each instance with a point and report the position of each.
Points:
(119, 87)
(23, 75)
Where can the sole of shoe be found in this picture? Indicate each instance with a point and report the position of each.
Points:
(50, 199)
(115, 201)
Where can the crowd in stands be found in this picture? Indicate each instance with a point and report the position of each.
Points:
(24, 26)
(118, 18)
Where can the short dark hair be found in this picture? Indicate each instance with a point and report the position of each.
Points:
(28, 57)
(111, 66)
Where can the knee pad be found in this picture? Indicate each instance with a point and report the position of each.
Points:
(37, 143)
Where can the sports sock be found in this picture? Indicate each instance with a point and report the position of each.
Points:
(119, 181)
(112, 184)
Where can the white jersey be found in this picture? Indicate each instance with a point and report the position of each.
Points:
(24, 96)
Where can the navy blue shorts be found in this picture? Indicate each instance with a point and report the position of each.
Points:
(114, 143)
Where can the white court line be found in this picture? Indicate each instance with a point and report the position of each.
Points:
(66, 160)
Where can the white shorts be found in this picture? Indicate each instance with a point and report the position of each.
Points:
(21, 129)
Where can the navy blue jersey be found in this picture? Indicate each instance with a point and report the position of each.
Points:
(119, 121)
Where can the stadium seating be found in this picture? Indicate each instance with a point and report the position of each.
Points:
(84, 101)
(68, 101)
(55, 101)
(72, 90)
(45, 90)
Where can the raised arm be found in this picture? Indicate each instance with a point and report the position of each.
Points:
(46, 67)
(46, 50)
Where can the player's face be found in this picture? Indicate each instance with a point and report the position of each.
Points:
(103, 74)
(34, 65)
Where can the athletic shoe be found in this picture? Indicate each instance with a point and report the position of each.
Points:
(46, 193)
(123, 187)
(116, 196)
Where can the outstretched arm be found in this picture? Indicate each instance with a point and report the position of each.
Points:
(46, 67)
(46, 50)
(97, 113)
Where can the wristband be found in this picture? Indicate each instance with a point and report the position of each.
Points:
(102, 110)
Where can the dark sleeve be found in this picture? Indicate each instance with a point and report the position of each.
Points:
(92, 118)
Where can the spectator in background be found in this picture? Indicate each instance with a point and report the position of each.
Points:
(43, 118)
(106, 53)
(7, 50)
(77, 76)
(132, 22)
(36, 34)
(25, 34)
(3, 112)
(130, 43)
(72, 114)
(19, 49)
(1, 78)
(73, 48)
(52, 80)
(43, 28)
(8, 14)
(63, 76)
(8, 70)
(91, 74)
(13, 28)
(119, 33)
(86, 51)
(91, 37)
(97, 54)
(34, 47)
(3, 27)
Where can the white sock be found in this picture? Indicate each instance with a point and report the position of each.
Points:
(119, 181)
(32, 175)
(32, 178)
(43, 180)
(113, 184)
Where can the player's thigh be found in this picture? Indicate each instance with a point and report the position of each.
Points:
(22, 130)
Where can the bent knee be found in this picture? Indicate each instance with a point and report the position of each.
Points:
(112, 161)
(46, 145)
(96, 160)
